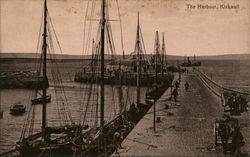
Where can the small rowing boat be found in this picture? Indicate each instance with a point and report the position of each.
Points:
(17, 109)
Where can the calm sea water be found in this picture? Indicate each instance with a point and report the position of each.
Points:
(233, 74)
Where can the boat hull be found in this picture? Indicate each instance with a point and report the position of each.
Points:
(34, 146)
(17, 111)
(123, 125)
(156, 93)
(126, 79)
(52, 151)
(41, 100)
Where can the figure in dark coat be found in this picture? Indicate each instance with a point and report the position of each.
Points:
(177, 84)
(186, 86)
(237, 142)
(175, 94)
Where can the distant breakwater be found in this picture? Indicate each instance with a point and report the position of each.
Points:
(216, 88)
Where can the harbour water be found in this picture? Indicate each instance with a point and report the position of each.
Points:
(233, 74)
(11, 126)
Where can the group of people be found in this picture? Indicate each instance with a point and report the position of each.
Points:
(230, 128)
(237, 103)
(176, 87)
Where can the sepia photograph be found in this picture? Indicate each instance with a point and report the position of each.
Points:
(124, 78)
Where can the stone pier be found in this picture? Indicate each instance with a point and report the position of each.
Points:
(186, 127)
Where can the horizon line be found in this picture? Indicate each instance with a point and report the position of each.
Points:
(130, 54)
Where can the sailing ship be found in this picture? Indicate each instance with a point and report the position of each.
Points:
(52, 140)
(119, 71)
(100, 140)
(124, 71)
(163, 81)
(118, 76)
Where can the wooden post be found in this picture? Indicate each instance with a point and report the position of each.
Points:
(154, 115)
(155, 86)
(179, 73)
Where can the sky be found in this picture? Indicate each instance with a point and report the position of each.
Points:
(187, 31)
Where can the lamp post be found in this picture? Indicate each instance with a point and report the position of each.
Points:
(155, 95)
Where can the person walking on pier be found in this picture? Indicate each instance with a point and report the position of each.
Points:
(175, 94)
(186, 86)
(237, 142)
(177, 84)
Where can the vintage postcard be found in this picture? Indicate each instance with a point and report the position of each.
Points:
(92, 78)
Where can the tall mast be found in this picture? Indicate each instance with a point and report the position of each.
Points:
(157, 47)
(93, 51)
(137, 47)
(163, 54)
(44, 66)
(123, 55)
(0, 102)
(103, 23)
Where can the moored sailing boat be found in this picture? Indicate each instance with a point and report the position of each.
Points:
(52, 141)
(138, 110)
(105, 138)
(118, 72)
(163, 81)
